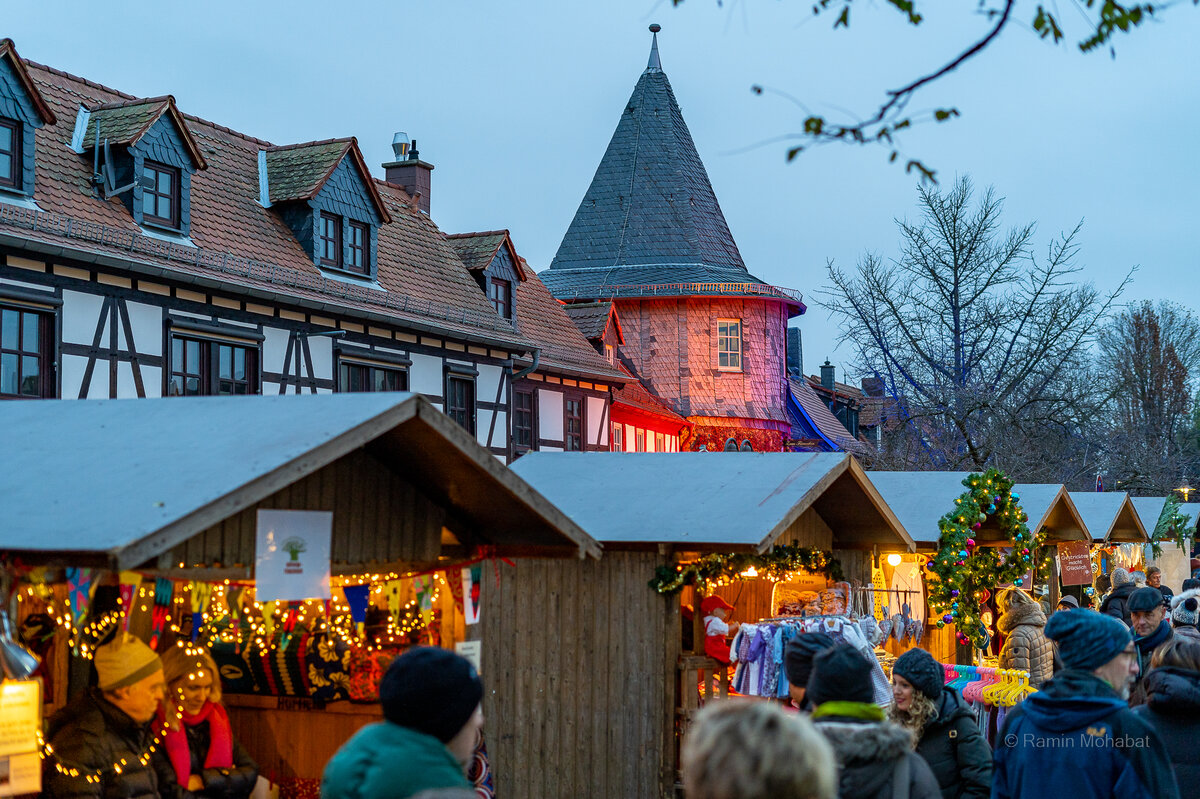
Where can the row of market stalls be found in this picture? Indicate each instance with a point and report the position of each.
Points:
(568, 578)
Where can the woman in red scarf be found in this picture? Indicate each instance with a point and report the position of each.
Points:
(198, 740)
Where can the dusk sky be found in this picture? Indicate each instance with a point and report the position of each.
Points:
(514, 104)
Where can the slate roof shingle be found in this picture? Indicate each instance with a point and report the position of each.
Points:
(476, 250)
(635, 396)
(8, 51)
(239, 243)
(126, 121)
(822, 418)
(592, 319)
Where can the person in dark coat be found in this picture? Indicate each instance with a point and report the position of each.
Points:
(1154, 580)
(198, 739)
(946, 732)
(1115, 604)
(874, 756)
(798, 663)
(1151, 629)
(105, 735)
(1173, 708)
(1076, 737)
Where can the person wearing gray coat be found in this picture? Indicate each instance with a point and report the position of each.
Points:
(1026, 646)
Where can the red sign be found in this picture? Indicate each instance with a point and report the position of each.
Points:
(1075, 563)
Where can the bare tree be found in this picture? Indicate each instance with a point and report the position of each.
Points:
(1149, 354)
(984, 346)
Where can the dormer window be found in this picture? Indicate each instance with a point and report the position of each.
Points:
(359, 253)
(331, 240)
(10, 153)
(160, 194)
(500, 293)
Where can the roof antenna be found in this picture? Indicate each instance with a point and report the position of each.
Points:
(654, 63)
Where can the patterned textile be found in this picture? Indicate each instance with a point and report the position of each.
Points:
(480, 772)
(299, 788)
(328, 667)
(237, 675)
(366, 667)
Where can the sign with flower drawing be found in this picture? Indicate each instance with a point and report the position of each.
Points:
(292, 555)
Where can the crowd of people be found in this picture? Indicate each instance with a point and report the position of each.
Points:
(1117, 713)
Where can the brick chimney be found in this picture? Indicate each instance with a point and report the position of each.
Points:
(827, 375)
(409, 172)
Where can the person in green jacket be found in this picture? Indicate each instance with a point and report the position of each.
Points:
(432, 717)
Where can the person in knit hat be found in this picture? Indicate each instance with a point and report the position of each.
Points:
(432, 718)
(946, 731)
(874, 755)
(1076, 737)
(1185, 614)
(798, 663)
(105, 734)
(1116, 603)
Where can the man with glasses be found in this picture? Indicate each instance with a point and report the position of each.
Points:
(1077, 737)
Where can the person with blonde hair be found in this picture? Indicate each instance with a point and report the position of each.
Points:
(753, 749)
(198, 739)
(1026, 646)
(1173, 707)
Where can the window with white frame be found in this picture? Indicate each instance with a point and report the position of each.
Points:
(729, 344)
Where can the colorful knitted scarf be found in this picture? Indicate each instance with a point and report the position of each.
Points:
(220, 737)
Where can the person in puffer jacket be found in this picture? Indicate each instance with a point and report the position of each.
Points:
(1026, 646)
(1076, 737)
(875, 757)
(1173, 707)
(946, 731)
(1116, 603)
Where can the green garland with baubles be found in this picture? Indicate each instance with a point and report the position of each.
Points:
(782, 562)
(1172, 526)
(965, 570)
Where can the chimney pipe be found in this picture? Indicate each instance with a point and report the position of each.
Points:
(827, 375)
(408, 171)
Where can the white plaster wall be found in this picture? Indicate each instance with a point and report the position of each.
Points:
(80, 312)
(274, 347)
(146, 324)
(550, 415)
(152, 381)
(321, 349)
(425, 375)
(597, 421)
(487, 383)
(71, 374)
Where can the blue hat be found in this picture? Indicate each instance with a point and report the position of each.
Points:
(1087, 639)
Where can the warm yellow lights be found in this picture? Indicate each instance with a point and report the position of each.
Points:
(894, 559)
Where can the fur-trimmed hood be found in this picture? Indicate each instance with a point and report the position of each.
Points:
(866, 752)
(1021, 614)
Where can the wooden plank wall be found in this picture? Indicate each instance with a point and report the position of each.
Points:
(378, 517)
(579, 663)
(294, 742)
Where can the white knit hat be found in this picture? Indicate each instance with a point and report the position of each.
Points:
(1185, 608)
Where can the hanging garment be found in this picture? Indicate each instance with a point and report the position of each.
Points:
(908, 588)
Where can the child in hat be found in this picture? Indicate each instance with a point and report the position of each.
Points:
(716, 629)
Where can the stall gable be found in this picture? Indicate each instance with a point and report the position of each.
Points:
(1049, 505)
(379, 518)
(1109, 516)
(1148, 510)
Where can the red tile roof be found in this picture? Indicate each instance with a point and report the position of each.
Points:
(126, 121)
(541, 318)
(635, 396)
(239, 243)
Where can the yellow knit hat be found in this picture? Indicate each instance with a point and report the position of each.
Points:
(124, 661)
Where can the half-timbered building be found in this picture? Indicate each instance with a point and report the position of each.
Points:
(146, 252)
(702, 334)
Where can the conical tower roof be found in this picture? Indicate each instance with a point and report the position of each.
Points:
(650, 216)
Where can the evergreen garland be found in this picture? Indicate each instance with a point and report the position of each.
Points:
(778, 564)
(965, 570)
(1172, 526)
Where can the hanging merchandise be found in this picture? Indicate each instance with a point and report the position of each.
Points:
(454, 578)
(394, 593)
(908, 591)
(164, 592)
(129, 582)
(200, 599)
(423, 586)
(358, 597)
(880, 591)
(233, 598)
(81, 587)
(472, 588)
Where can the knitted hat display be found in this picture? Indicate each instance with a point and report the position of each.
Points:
(1144, 600)
(1087, 639)
(430, 690)
(1185, 608)
(840, 674)
(799, 653)
(1120, 577)
(922, 671)
(124, 661)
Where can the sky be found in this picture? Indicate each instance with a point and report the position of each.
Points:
(514, 104)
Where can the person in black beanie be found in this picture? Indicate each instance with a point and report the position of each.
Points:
(798, 662)
(875, 757)
(946, 731)
(432, 716)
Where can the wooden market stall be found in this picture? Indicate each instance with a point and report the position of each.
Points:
(168, 490)
(1110, 517)
(607, 704)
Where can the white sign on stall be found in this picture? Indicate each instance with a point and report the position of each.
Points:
(472, 651)
(292, 555)
(20, 722)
